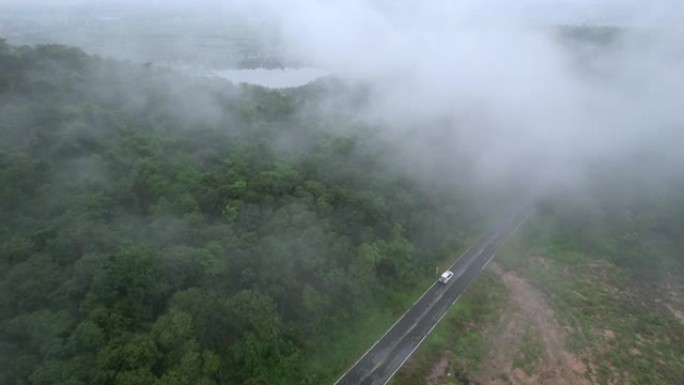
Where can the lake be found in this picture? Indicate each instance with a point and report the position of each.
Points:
(272, 78)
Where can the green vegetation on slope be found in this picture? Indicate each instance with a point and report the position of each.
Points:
(608, 258)
(156, 229)
(617, 326)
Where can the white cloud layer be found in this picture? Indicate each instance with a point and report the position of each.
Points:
(505, 82)
(506, 91)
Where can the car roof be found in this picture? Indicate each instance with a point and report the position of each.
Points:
(447, 273)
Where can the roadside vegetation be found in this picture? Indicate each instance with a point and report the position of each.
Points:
(606, 262)
(457, 345)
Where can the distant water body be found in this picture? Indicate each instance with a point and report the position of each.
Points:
(273, 78)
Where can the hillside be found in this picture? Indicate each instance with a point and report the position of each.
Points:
(590, 291)
(163, 229)
(160, 228)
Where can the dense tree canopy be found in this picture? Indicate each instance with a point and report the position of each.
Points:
(161, 229)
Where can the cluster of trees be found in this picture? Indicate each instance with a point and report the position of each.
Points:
(160, 229)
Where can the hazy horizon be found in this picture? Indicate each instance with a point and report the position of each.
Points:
(510, 95)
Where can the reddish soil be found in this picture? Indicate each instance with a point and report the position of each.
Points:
(527, 315)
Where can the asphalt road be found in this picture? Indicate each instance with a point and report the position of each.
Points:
(388, 354)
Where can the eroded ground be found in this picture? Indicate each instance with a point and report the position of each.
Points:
(580, 323)
(528, 344)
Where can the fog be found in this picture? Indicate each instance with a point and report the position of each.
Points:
(479, 86)
(517, 100)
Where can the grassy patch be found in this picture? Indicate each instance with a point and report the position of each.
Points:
(613, 327)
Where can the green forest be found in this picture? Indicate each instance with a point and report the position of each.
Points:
(162, 229)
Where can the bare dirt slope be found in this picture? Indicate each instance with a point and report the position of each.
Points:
(614, 330)
(527, 345)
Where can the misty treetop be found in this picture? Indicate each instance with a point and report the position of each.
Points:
(162, 229)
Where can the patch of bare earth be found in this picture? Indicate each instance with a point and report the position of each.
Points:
(665, 294)
(509, 361)
(439, 371)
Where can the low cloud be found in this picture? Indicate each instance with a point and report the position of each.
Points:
(506, 89)
(493, 85)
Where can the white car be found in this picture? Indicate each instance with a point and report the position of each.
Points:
(446, 276)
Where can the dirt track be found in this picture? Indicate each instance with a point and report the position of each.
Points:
(528, 320)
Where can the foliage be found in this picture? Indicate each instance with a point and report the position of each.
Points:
(610, 299)
(157, 229)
